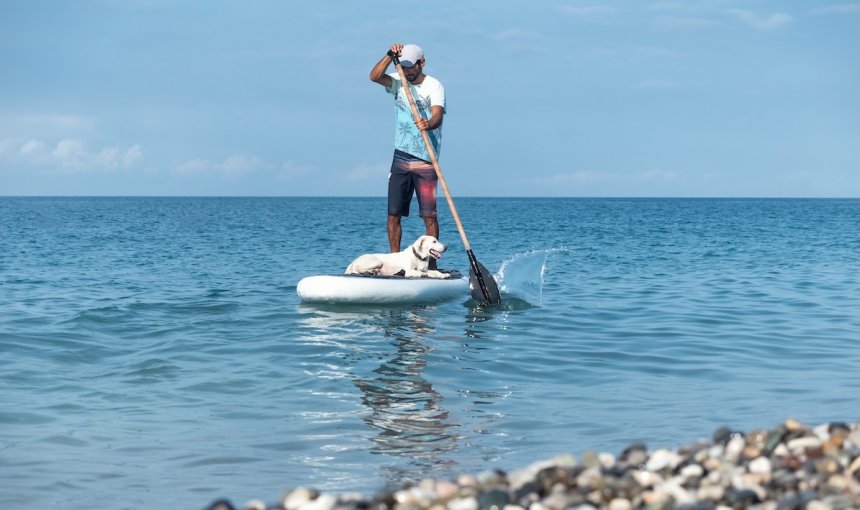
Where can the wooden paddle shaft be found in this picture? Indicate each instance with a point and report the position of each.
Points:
(405, 83)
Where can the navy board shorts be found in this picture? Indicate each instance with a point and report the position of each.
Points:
(410, 175)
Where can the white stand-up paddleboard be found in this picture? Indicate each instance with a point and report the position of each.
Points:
(361, 289)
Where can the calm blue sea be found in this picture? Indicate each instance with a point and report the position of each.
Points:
(153, 352)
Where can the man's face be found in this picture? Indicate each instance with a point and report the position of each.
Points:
(412, 73)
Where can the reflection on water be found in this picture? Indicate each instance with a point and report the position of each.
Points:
(404, 407)
(417, 426)
(404, 411)
(385, 353)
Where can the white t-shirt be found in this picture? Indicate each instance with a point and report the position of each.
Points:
(407, 137)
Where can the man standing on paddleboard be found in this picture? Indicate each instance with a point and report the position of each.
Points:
(411, 169)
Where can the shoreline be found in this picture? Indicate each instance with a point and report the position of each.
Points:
(789, 466)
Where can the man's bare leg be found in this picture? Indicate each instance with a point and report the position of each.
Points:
(395, 232)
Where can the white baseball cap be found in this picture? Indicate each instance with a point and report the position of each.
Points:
(410, 55)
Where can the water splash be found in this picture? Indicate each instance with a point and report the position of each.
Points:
(522, 275)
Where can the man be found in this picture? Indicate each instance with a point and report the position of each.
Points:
(411, 169)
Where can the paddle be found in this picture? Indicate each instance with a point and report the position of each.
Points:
(481, 283)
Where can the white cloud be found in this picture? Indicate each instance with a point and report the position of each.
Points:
(195, 166)
(561, 179)
(760, 21)
(132, 156)
(31, 147)
(72, 153)
(838, 9)
(69, 154)
(242, 166)
(657, 175)
(290, 170)
(236, 165)
(108, 157)
(57, 142)
(114, 157)
(239, 164)
(365, 172)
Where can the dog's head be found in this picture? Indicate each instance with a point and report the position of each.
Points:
(428, 246)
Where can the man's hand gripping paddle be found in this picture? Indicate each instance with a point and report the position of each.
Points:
(482, 285)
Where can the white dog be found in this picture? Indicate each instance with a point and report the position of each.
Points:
(413, 261)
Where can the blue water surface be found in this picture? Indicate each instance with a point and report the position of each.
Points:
(154, 354)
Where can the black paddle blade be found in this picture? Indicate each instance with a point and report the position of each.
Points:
(482, 285)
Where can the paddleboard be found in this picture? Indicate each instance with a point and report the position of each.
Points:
(363, 289)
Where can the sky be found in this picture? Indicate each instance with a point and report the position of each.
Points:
(698, 98)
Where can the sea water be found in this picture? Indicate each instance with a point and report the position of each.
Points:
(154, 354)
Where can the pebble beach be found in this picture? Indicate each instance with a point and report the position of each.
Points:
(786, 467)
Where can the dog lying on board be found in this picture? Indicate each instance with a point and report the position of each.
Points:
(414, 261)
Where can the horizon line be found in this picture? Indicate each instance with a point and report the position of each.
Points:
(611, 197)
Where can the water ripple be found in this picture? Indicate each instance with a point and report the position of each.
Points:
(163, 345)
